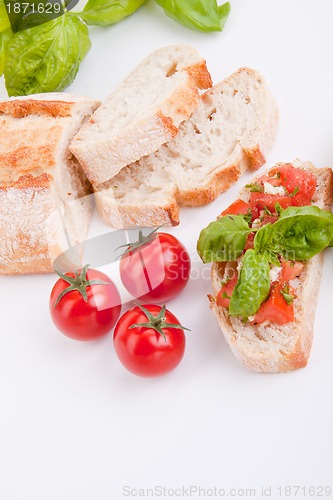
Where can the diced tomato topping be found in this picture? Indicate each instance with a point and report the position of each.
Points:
(268, 219)
(297, 179)
(249, 241)
(276, 308)
(223, 298)
(239, 207)
(274, 181)
(259, 201)
(290, 270)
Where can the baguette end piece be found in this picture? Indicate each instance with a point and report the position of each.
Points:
(45, 200)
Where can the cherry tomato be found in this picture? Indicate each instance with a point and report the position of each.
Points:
(84, 305)
(149, 341)
(156, 268)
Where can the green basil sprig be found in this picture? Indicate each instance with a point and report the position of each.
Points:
(202, 15)
(224, 239)
(46, 57)
(106, 12)
(252, 287)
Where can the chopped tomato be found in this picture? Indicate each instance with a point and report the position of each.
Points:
(298, 181)
(276, 308)
(239, 207)
(259, 201)
(290, 270)
(274, 181)
(224, 295)
(268, 219)
(249, 241)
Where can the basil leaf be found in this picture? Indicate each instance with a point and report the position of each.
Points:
(46, 58)
(224, 239)
(297, 237)
(5, 36)
(106, 12)
(202, 15)
(252, 287)
(307, 210)
(4, 20)
(223, 13)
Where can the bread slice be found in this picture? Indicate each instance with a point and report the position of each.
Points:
(271, 347)
(45, 204)
(231, 131)
(143, 113)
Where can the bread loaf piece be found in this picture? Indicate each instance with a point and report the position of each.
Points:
(230, 131)
(44, 206)
(143, 113)
(272, 347)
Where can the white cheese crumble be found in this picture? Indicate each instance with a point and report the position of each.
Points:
(274, 273)
(269, 189)
(255, 224)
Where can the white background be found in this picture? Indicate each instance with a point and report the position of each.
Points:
(74, 424)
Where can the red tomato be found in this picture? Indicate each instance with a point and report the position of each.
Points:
(276, 308)
(274, 181)
(259, 201)
(290, 270)
(296, 178)
(268, 219)
(156, 270)
(154, 346)
(249, 241)
(223, 298)
(82, 319)
(239, 207)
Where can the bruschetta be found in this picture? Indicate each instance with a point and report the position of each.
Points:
(266, 250)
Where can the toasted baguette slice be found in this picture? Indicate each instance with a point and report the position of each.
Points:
(271, 347)
(231, 131)
(44, 196)
(143, 113)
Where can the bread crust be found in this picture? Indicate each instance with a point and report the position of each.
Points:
(219, 183)
(244, 147)
(143, 136)
(290, 348)
(129, 216)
